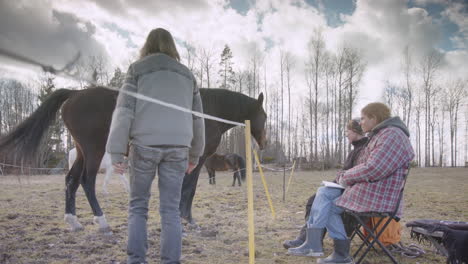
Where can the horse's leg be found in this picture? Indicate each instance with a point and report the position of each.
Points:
(72, 181)
(238, 176)
(234, 179)
(214, 177)
(88, 181)
(210, 177)
(188, 192)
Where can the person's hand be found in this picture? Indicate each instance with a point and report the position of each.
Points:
(120, 168)
(190, 168)
(342, 182)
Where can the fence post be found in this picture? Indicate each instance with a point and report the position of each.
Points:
(248, 157)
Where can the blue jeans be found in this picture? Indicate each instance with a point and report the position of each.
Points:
(171, 164)
(325, 214)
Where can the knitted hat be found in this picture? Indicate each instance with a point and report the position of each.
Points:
(354, 125)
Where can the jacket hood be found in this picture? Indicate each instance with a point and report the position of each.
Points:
(391, 122)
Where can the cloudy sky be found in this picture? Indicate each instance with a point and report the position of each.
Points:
(52, 31)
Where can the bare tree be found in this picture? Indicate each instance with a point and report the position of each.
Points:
(289, 64)
(390, 94)
(17, 102)
(408, 94)
(329, 71)
(429, 66)
(190, 57)
(256, 60)
(432, 124)
(455, 93)
(419, 106)
(206, 57)
(316, 50)
(98, 67)
(442, 102)
(240, 80)
(466, 127)
(340, 66)
(282, 66)
(355, 69)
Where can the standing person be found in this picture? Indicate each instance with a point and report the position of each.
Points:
(373, 185)
(161, 140)
(356, 136)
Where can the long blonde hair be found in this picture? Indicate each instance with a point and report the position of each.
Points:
(160, 40)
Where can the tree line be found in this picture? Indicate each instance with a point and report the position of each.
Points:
(309, 127)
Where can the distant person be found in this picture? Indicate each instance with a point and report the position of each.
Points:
(162, 140)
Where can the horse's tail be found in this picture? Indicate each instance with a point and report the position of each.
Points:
(241, 162)
(25, 139)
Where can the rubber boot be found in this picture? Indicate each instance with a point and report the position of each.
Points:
(340, 253)
(312, 247)
(298, 241)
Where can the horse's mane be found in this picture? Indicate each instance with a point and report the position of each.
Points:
(227, 104)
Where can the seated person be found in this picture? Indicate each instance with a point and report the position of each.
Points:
(371, 186)
(356, 136)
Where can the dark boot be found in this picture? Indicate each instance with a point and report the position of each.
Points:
(312, 247)
(298, 241)
(340, 254)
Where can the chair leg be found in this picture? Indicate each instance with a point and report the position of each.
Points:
(371, 235)
(375, 239)
(365, 239)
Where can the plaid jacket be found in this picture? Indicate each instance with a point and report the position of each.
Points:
(375, 183)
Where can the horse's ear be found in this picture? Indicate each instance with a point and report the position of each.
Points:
(260, 99)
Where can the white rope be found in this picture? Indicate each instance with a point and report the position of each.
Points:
(173, 106)
(18, 166)
(275, 169)
(65, 73)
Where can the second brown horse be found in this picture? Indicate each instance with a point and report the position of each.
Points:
(231, 161)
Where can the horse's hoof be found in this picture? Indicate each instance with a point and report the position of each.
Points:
(192, 226)
(73, 222)
(106, 231)
(77, 228)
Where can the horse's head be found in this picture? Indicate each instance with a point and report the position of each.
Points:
(257, 121)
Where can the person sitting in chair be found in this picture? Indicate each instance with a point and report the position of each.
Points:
(371, 186)
(356, 136)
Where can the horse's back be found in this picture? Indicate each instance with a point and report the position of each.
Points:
(234, 160)
(88, 115)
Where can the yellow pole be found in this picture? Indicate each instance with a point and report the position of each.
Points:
(264, 184)
(290, 176)
(248, 157)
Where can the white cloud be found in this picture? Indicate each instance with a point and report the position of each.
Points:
(426, 2)
(458, 14)
(382, 30)
(47, 35)
(56, 29)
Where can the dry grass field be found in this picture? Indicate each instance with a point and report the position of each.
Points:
(32, 229)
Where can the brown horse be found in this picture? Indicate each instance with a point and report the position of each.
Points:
(226, 162)
(87, 114)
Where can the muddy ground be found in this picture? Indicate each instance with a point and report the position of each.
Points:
(32, 229)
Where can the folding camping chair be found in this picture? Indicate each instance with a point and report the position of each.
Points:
(373, 236)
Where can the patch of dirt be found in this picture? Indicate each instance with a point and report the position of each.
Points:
(32, 229)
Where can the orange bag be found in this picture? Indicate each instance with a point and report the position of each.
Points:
(392, 233)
